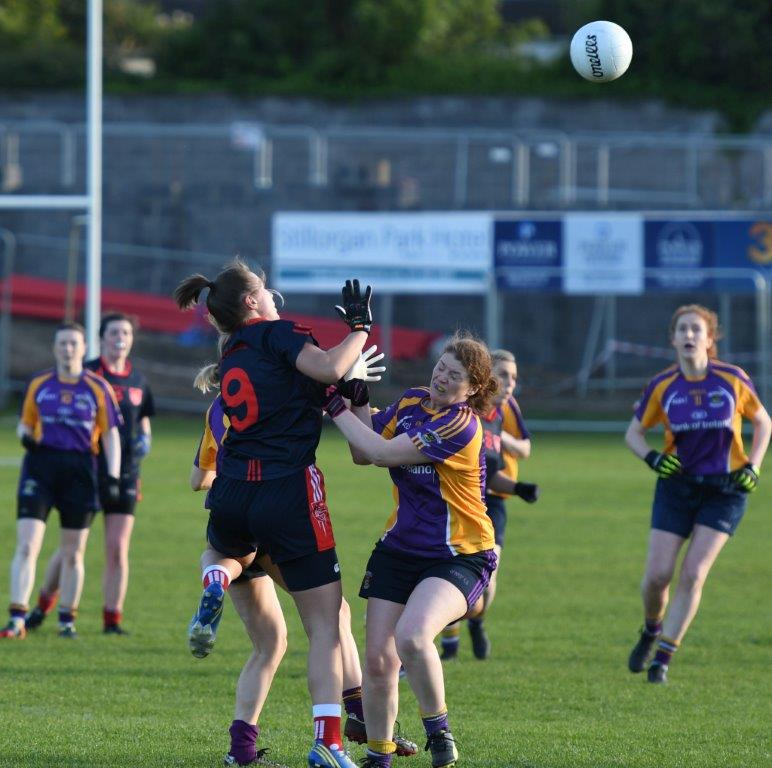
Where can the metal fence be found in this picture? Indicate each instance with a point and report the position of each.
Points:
(402, 168)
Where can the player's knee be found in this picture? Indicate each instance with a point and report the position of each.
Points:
(380, 664)
(411, 642)
(693, 576)
(657, 579)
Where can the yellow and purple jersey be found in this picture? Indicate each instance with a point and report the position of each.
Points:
(513, 423)
(216, 424)
(703, 417)
(440, 507)
(70, 414)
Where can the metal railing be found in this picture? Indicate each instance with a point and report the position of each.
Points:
(534, 167)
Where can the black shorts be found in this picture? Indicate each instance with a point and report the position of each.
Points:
(393, 575)
(497, 512)
(712, 500)
(288, 516)
(130, 494)
(62, 479)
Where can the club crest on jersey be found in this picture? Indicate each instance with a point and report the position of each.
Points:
(135, 396)
(66, 397)
(430, 437)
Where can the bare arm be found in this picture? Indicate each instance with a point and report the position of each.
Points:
(519, 447)
(111, 446)
(375, 449)
(23, 429)
(635, 437)
(201, 479)
(762, 429)
(363, 414)
(144, 425)
(500, 483)
(327, 366)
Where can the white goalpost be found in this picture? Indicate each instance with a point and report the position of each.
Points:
(91, 202)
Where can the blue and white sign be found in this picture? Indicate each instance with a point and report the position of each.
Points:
(679, 250)
(603, 253)
(394, 252)
(745, 245)
(527, 255)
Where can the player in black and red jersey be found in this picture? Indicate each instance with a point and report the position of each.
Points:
(116, 334)
(268, 488)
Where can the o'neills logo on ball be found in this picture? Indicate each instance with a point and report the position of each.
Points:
(591, 49)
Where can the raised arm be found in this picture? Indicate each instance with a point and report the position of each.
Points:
(327, 366)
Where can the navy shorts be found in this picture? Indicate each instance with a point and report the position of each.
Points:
(497, 512)
(393, 575)
(682, 503)
(129, 485)
(62, 479)
(287, 516)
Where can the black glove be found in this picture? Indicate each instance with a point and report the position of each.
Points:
(29, 443)
(746, 478)
(112, 491)
(664, 464)
(355, 308)
(528, 492)
(355, 390)
(333, 402)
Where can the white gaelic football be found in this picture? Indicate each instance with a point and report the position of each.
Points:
(601, 51)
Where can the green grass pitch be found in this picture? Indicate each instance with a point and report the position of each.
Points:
(556, 691)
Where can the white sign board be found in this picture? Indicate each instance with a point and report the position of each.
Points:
(393, 252)
(603, 253)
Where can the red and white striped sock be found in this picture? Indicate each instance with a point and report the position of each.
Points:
(327, 724)
(216, 573)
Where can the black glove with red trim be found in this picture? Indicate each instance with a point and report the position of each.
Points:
(354, 308)
(333, 402)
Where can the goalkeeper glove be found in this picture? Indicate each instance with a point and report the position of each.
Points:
(29, 443)
(354, 308)
(333, 402)
(528, 492)
(746, 479)
(664, 464)
(364, 369)
(354, 390)
(141, 445)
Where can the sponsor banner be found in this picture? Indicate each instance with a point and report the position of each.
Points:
(603, 253)
(680, 250)
(745, 244)
(395, 253)
(528, 255)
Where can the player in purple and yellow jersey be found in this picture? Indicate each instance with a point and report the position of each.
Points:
(116, 334)
(268, 489)
(506, 441)
(258, 607)
(436, 555)
(67, 412)
(704, 473)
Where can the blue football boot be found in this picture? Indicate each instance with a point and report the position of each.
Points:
(203, 628)
(322, 756)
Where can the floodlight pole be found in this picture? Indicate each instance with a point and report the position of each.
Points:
(94, 185)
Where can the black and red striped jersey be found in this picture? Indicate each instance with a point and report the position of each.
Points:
(273, 409)
(135, 400)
